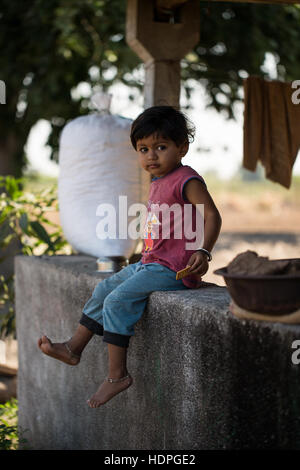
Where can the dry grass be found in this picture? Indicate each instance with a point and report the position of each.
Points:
(257, 206)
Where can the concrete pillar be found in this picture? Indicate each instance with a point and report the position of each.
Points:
(161, 38)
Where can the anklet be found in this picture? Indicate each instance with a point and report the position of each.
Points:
(112, 381)
(76, 356)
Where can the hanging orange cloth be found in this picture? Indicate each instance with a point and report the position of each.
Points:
(271, 128)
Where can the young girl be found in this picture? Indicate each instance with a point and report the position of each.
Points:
(161, 137)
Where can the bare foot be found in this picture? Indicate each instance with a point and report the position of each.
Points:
(60, 351)
(108, 390)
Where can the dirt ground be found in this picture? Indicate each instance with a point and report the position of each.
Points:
(275, 245)
(270, 229)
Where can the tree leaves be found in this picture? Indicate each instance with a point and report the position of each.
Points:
(23, 221)
(56, 44)
(235, 38)
(41, 233)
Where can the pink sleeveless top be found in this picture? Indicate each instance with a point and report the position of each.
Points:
(167, 231)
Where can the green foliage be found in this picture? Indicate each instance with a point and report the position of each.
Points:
(59, 44)
(22, 220)
(7, 311)
(234, 39)
(9, 439)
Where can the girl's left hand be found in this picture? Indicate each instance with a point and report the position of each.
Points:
(199, 263)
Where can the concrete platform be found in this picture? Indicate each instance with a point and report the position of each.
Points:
(203, 379)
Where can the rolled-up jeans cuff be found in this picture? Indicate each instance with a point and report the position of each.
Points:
(91, 325)
(116, 339)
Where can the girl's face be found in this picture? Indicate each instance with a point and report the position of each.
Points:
(159, 155)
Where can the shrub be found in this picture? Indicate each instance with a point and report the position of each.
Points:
(22, 218)
(9, 439)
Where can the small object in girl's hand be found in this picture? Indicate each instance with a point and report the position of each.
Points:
(182, 273)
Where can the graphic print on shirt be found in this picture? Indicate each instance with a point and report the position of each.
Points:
(172, 242)
(151, 231)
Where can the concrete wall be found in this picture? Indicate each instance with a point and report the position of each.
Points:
(203, 379)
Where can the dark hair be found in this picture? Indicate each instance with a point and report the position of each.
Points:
(163, 121)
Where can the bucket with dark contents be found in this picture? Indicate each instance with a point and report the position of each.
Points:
(259, 284)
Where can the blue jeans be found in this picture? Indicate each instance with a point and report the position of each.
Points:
(118, 302)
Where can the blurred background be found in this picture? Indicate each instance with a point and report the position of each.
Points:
(55, 55)
(257, 214)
